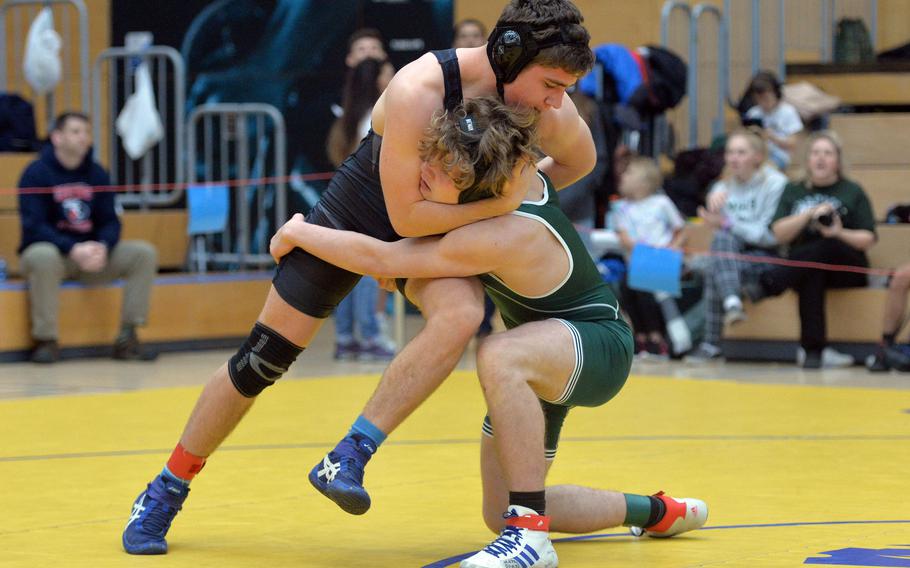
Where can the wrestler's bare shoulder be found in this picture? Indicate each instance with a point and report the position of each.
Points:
(417, 87)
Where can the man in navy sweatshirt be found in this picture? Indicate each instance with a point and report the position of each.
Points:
(71, 231)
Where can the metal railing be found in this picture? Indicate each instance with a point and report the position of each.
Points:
(163, 164)
(16, 17)
(235, 145)
(694, 84)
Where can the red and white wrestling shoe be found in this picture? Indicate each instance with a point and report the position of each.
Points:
(682, 515)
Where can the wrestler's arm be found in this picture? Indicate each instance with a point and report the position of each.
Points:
(408, 108)
(567, 142)
(461, 252)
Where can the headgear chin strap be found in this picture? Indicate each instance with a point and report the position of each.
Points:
(512, 46)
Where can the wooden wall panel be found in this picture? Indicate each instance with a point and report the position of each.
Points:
(853, 315)
(861, 88)
(11, 167)
(884, 186)
(877, 139)
(632, 22)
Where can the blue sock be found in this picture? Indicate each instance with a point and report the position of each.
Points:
(366, 428)
(166, 473)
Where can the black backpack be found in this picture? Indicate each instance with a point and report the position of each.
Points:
(666, 86)
(899, 213)
(17, 124)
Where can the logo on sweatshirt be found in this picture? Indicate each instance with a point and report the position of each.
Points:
(75, 205)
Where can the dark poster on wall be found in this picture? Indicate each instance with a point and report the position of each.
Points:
(287, 53)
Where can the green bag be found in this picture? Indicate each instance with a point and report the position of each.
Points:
(852, 43)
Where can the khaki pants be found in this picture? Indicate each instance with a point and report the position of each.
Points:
(45, 267)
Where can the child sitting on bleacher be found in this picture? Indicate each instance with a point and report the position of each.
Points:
(645, 216)
(779, 119)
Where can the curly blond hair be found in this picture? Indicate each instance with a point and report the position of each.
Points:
(480, 161)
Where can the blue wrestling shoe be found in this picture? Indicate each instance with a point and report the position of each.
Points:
(152, 514)
(339, 476)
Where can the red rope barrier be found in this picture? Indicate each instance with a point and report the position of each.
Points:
(173, 186)
(327, 175)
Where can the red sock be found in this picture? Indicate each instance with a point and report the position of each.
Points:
(184, 464)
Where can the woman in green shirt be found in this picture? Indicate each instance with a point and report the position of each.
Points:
(824, 218)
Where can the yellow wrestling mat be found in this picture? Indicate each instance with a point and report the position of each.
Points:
(792, 475)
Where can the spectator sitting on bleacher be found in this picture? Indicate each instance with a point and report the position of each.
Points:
(889, 354)
(739, 208)
(645, 216)
(779, 118)
(825, 218)
(70, 231)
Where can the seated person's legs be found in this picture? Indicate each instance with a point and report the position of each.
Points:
(372, 346)
(891, 356)
(137, 263)
(44, 267)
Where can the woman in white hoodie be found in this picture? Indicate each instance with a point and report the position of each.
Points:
(739, 209)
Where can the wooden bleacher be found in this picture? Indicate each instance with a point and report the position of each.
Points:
(184, 308)
(879, 140)
(869, 84)
(854, 314)
(11, 167)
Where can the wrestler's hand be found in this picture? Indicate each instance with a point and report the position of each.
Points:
(286, 238)
(516, 189)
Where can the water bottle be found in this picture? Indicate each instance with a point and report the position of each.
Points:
(2, 269)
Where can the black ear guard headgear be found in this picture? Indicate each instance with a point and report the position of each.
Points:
(512, 46)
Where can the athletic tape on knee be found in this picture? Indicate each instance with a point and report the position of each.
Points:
(262, 359)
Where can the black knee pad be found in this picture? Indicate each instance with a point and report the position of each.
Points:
(262, 359)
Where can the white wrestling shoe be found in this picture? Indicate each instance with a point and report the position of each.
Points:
(523, 543)
(682, 515)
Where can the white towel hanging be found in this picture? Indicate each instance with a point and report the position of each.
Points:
(139, 124)
(41, 64)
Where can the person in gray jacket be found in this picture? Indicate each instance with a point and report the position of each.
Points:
(739, 209)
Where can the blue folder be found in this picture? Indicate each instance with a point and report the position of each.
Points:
(654, 269)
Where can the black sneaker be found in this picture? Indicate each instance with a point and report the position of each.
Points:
(813, 360)
(45, 352)
(898, 357)
(878, 363)
(129, 349)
